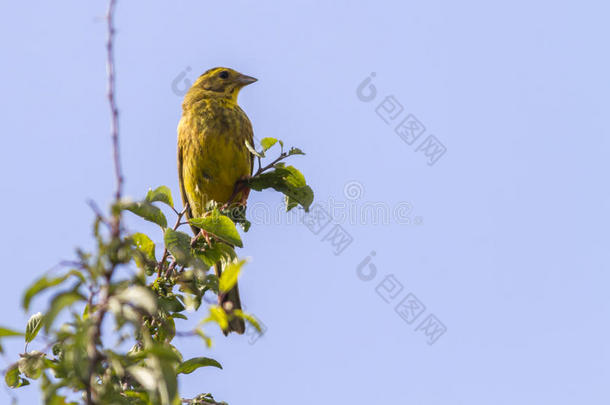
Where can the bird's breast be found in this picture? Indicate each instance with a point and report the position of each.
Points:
(214, 153)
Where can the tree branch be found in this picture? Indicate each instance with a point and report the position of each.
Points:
(114, 112)
(115, 226)
(178, 223)
(242, 184)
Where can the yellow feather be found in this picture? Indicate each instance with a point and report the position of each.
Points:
(212, 155)
(212, 152)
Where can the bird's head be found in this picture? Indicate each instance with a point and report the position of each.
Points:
(219, 82)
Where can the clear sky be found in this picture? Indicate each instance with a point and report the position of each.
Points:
(506, 242)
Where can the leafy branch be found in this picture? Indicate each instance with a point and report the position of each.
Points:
(121, 281)
(143, 307)
(285, 179)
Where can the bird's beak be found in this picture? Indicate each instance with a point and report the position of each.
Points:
(244, 80)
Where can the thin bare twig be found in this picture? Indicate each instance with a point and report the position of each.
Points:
(96, 210)
(282, 156)
(114, 125)
(165, 251)
(115, 230)
(242, 184)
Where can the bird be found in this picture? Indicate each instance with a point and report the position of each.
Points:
(213, 156)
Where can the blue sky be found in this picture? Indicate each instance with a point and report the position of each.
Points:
(507, 233)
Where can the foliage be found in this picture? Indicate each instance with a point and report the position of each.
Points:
(121, 284)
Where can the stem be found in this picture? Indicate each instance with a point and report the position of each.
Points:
(165, 251)
(241, 184)
(95, 337)
(114, 123)
(282, 156)
(115, 226)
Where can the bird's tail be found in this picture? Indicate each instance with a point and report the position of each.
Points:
(230, 300)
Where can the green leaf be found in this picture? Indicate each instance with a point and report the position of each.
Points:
(216, 253)
(5, 332)
(160, 351)
(144, 376)
(179, 245)
(171, 304)
(59, 400)
(295, 151)
(302, 196)
(13, 379)
(229, 275)
(140, 297)
(205, 399)
(32, 364)
(220, 226)
(147, 211)
(290, 203)
(145, 253)
(162, 194)
(58, 303)
(253, 151)
(44, 283)
(169, 389)
(218, 315)
(159, 377)
(144, 245)
(33, 326)
(287, 180)
(193, 364)
(12, 376)
(210, 282)
(249, 318)
(237, 214)
(267, 143)
(142, 396)
(206, 338)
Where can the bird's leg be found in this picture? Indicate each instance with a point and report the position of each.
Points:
(244, 196)
(244, 189)
(241, 186)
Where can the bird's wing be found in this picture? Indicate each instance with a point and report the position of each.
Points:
(182, 137)
(185, 199)
(250, 137)
(251, 142)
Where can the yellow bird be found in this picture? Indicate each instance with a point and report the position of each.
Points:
(212, 154)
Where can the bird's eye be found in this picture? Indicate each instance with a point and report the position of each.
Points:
(224, 74)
